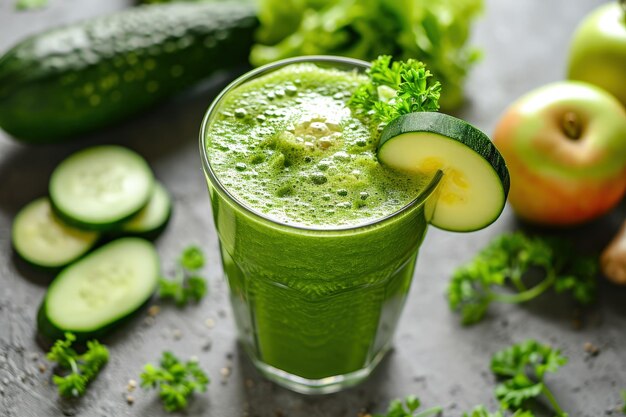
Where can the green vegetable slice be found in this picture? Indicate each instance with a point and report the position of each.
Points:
(100, 187)
(476, 181)
(43, 240)
(153, 218)
(91, 296)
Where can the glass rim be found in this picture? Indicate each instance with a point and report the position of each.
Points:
(208, 170)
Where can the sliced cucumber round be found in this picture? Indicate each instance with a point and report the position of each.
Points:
(91, 296)
(153, 218)
(100, 187)
(475, 184)
(43, 240)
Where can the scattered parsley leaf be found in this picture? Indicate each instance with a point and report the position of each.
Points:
(196, 288)
(409, 408)
(523, 367)
(185, 287)
(624, 399)
(30, 4)
(192, 258)
(395, 88)
(508, 261)
(175, 380)
(82, 368)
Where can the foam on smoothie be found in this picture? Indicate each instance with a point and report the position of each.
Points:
(287, 146)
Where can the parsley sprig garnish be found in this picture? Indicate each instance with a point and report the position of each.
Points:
(186, 285)
(523, 368)
(501, 271)
(395, 88)
(78, 370)
(175, 380)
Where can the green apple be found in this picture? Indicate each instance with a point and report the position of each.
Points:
(598, 50)
(565, 147)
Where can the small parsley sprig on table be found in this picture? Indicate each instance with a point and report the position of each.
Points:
(500, 271)
(522, 368)
(82, 368)
(175, 380)
(186, 285)
(395, 88)
(409, 408)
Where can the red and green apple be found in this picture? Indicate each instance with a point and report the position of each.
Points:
(565, 147)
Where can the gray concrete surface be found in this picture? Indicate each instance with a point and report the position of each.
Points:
(525, 45)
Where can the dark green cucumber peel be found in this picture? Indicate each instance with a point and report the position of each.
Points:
(160, 197)
(82, 77)
(102, 227)
(51, 332)
(463, 132)
(119, 231)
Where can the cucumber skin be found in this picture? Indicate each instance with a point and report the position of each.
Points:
(75, 79)
(149, 235)
(50, 332)
(152, 234)
(95, 227)
(434, 122)
(49, 269)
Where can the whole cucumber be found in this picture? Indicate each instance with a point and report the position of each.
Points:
(79, 78)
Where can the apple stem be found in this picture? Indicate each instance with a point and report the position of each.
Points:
(571, 125)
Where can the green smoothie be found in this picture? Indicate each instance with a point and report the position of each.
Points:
(318, 239)
(287, 146)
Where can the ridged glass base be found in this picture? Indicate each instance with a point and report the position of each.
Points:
(326, 385)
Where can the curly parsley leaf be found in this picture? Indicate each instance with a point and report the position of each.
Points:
(192, 258)
(176, 381)
(185, 287)
(409, 407)
(395, 88)
(500, 272)
(78, 370)
(522, 368)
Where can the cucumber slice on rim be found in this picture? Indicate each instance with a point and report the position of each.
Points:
(153, 218)
(43, 240)
(91, 296)
(100, 187)
(475, 184)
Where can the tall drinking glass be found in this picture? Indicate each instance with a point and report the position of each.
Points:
(316, 308)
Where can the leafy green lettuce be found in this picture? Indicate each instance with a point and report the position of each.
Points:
(433, 31)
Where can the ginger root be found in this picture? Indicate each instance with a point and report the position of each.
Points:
(613, 258)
